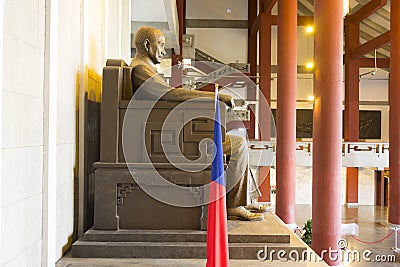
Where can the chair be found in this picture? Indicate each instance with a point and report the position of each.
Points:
(119, 201)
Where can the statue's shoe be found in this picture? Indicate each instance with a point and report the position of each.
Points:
(258, 207)
(240, 213)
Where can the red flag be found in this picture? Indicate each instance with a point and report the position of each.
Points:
(217, 229)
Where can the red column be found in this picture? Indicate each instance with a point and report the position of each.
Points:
(177, 73)
(286, 111)
(265, 89)
(394, 115)
(351, 185)
(252, 59)
(252, 44)
(327, 130)
(184, 16)
(265, 76)
(379, 188)
(351, 114)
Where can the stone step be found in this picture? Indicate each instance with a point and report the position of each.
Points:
(246, 239)
(179, 236)
(175, 250)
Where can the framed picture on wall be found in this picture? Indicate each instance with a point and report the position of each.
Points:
(369, 123)
(304, 123)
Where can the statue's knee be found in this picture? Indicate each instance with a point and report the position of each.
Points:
(237, 142)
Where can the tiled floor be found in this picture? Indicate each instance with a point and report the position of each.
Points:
(372, 224)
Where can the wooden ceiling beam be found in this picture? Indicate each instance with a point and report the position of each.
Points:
(371, 45)
(370, 63)
(255, 27)
(305, 20)
(367, 10)
(301, 21)
(267, 5)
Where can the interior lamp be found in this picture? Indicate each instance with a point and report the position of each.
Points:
(309, 65)
(309, 29)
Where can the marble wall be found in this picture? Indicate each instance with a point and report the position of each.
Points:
(22, 142)
(79, 41)
(69, 63)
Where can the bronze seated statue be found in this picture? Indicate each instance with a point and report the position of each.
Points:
(122, 202)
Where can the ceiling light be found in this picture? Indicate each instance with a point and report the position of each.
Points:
(229, 10)
(310, 65)
(309, 29)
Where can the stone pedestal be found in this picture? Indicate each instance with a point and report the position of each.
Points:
(120, 203)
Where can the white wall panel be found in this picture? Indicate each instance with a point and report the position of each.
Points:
(1, 117)
(227, 45)
(22, 20)
(23, 67)
(21, 183)
(149, 10)
(211, 9)
(21, 229)
(113, 30)
(366, 186)
(69, 67)
(23, 119)
(50, 132)
(22, 55)
(126, 30)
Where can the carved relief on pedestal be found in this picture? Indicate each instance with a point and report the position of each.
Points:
(123, 190)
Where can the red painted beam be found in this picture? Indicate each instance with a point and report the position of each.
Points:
(367, 10)
(370, 62)
(301, 21)
(255, 27)
(305, 20)
(267, 5)
(369, 46)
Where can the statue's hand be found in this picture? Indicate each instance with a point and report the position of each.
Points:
(228, 100)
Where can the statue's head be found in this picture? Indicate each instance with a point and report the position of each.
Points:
(150, 42)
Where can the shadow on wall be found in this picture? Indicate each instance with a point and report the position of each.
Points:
(92, 85)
